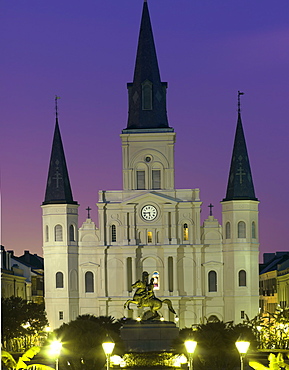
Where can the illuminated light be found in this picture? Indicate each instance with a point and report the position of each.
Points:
(55, 347)
(242, 346)
(116, 360)
(138, 319)
(123, 363)
(190, 346)
(47, 329)
(162, 319)
(177, 319)
(108, 347)
(150, 237)
(179, 360)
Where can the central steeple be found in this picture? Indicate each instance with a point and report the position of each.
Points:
(147, 94)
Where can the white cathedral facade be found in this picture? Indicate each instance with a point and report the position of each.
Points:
(206, 270)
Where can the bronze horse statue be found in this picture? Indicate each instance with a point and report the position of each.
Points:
(144, 297)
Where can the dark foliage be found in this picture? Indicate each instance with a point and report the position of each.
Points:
(82, 341)
(20, 319)
(216, 348)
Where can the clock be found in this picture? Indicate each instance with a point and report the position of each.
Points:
(149, 213)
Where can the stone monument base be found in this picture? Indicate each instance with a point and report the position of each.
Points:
(149, 336)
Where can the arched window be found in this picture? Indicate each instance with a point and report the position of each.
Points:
(113, 233)
(228, 230)
(89, 282)
(46, 233)
(242, 278)
(71, 233)
(156, 280)
(212, 280)
(59, 279)
(253, 230)
(147, 100)
(185, 232)
(150, 237)
(58, 233)
(140, 180)
(156, 179)
(241, 229)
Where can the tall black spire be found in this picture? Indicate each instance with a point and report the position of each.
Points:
(240, 182)
(58, 190)
(147, 94)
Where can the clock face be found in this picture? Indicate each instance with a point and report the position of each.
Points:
(149, 213)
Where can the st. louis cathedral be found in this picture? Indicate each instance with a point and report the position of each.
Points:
(206, 270)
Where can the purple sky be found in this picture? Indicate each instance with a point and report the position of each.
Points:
(85, 52)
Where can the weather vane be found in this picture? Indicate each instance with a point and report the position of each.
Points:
(56, 106)
(239, 101)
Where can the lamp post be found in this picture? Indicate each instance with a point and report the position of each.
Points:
(108, 347)
(55, 348)
(190, 347)
(242, 347)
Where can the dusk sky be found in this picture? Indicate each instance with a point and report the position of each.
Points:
(84, 51)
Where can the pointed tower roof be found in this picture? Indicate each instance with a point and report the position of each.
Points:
(147, 94)
(58, 190)
(240, 182)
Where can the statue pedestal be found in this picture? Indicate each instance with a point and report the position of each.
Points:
(149, 336)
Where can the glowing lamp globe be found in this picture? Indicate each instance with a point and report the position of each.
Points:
(190, 346)
(108, 347)
(242, 346)
(55, 347)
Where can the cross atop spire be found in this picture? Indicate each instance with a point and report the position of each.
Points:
(56, 106)
(88, 209)
(239, 101)
(211, 209)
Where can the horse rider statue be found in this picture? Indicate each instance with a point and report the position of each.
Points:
(144, 296)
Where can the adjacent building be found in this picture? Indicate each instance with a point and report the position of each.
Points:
(22, 276)
(274, 281)
(208, 269)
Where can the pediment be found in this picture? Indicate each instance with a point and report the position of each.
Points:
(151, 195)
(89, 264)
(212, 263)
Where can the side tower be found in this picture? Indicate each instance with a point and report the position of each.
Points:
(148, 141)
(240, 235)
(60, 235)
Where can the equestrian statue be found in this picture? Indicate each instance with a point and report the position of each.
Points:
(144, 296)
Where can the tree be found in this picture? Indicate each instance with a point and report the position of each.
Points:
(82, 341)
(271, 329)
(21, 323)
(216, 348)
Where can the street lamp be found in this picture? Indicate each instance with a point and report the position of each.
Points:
(242, 347)
(190, 347)
(55, 349)
(108, 347)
